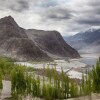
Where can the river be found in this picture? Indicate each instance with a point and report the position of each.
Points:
(89, 59)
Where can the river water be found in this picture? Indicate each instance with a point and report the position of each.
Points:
(89, 59)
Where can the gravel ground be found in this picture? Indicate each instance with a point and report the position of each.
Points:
(93, 97)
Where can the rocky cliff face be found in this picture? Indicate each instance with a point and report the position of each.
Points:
(32, 44)
(15, 43)
(9, 28)
(52, 42)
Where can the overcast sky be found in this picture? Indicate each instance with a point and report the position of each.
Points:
(66, 16)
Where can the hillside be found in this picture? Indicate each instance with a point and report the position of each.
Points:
(15, 43)
(86, 40)
(23, 44)
(52, 42)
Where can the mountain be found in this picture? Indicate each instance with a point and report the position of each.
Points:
(9, 28)
(31, 44)
(86, 40)
(52, 43)
(14, 42)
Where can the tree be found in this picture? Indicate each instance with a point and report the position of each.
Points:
(1, 84)
(38, 87)
(83, 84)
(28, 84)
(95, 74)
(18, 82)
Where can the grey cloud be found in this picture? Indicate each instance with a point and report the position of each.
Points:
(58, 13)
(15, 5)
(89, 15)
(19, 6)
(94, 2)
(95, 5)
(89, 22)
(45, 3)
(71, 16)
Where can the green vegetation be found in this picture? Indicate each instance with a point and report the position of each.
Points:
(25, 84)
(91, 81)
(55, 86)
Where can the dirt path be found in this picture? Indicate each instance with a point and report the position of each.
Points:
(93, 97)
(6, 92)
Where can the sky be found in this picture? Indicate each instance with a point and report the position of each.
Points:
(66, 16)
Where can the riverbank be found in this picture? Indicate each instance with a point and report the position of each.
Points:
(73, 67)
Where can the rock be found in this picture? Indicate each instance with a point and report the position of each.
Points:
(52, 42)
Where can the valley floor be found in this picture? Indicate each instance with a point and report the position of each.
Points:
(73, 68)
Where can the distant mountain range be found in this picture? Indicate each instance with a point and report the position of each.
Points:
(31, 44)
(87, 41)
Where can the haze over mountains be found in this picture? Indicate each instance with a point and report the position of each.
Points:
(31, 44)
(86, 42)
